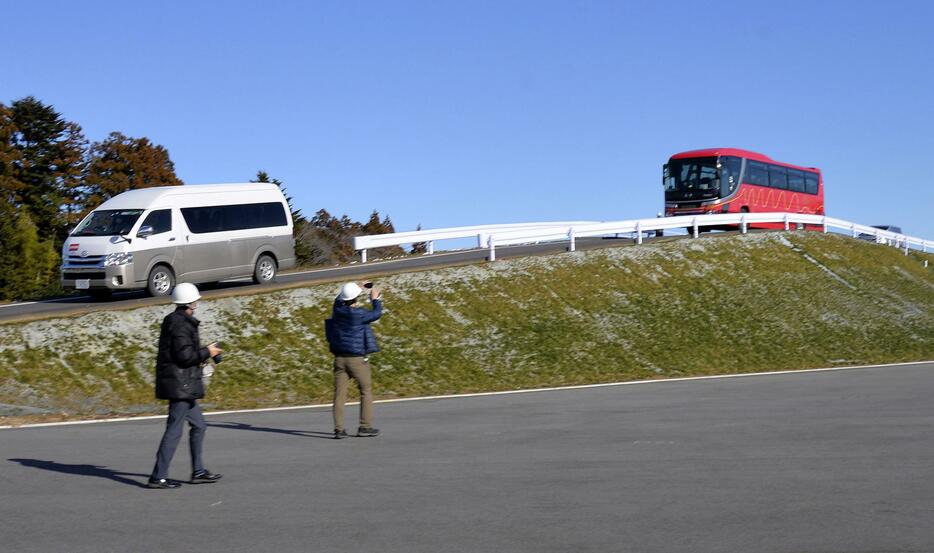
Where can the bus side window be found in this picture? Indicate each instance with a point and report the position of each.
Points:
(757, 173)
(778, 177)
(810, 183)
(796, 180)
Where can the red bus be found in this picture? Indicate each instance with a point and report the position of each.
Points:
(730, 180)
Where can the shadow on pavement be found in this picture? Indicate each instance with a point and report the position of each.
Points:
(243, 426)
(84, 470)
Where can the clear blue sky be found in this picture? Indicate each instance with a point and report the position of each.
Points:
(457, 113)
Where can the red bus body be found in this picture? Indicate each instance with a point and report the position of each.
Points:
(731, 180)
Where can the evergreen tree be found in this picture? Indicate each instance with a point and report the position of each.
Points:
(123, 163)
(50, 164)
(10, 187)
(419, 247)
(303, 253)
(28, 264)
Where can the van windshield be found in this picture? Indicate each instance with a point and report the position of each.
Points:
(108, 222)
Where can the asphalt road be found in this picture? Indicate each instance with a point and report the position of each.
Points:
(816, 462)
(124, 300)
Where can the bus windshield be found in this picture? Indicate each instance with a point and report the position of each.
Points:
(701, 178)
(692, 179)
(108, 222)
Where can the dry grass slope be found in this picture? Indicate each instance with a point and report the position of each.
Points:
(690, 307)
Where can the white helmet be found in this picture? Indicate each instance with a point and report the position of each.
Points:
(349, 291)
(185, 293)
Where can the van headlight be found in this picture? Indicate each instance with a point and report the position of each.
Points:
(118, 259)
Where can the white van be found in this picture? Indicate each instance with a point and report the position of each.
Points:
(151, 238)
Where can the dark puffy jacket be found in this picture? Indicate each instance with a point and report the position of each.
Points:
(178, 364)
(349, 331)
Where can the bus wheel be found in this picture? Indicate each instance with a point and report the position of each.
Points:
(265, 270)
(161, 281)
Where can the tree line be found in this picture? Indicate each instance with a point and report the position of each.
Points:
(51, 176)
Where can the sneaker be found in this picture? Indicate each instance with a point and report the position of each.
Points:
(204, 477)
(365, 432)
(162, 484)
(340, 434)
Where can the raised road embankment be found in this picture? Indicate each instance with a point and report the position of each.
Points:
(735, 304)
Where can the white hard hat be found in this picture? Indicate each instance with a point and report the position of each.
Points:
(349, 291)
(185, 293)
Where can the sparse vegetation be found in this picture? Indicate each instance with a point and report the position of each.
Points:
(690, 307)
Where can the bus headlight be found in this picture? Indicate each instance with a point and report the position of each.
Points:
(120, 258)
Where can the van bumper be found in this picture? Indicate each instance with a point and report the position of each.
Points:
(115, 277)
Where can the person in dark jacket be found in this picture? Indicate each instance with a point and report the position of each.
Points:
(351, 340)
(179, 379)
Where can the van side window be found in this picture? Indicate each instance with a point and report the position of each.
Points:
(221, 218)
(160, 221)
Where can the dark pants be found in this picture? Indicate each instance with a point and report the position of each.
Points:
(180, 410)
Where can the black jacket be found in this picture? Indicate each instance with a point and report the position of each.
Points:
(178, 364)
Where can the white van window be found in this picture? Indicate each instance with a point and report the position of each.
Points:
(160, 221)
(108, 222)
(220, 218)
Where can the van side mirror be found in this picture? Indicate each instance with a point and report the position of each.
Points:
(145, 231)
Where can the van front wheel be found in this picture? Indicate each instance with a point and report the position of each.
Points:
(161, 281)
(265, 270)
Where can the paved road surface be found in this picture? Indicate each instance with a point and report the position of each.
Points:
(837, 461)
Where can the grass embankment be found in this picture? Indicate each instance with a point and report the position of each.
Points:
(690, 307)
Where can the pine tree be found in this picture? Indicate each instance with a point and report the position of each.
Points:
(419, 247)
(50, 164)
(303, 252)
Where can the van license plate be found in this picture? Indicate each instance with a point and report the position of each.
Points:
(82, 284)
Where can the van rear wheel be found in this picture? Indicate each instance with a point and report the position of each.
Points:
(161, 281)
(265, 270)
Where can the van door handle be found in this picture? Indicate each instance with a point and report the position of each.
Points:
(172, 239)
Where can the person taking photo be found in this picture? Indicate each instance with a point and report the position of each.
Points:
(351, 340)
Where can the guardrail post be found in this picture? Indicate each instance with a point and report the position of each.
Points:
(823, 222)
(694, 224)
(785, 218)
(742, 223)
(638, 232)
(572, 245)
(431, 247)
(480, 243)
(906, 246)
(924, 247)
(363, 255)
(492, 248)
(853, 229)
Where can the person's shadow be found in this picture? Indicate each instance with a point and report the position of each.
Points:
(244, 426)
(84, 470)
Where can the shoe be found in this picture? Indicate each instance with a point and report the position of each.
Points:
(365, 432)
(204, 477)
(340, 434)
(162, 484)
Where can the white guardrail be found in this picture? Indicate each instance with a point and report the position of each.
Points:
(490, 236)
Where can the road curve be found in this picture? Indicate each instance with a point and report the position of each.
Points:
(68, 306)
(811, 461)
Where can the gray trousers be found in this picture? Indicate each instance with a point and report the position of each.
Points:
(357, 368)
(180, 410)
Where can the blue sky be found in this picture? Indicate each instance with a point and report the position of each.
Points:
(458, 113)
